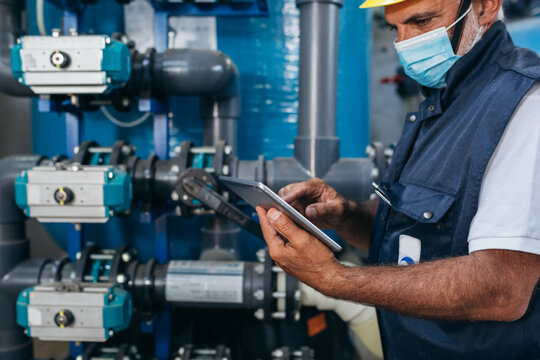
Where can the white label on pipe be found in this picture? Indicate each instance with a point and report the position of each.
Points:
(205, 281)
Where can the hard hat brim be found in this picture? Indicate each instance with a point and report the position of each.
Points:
(377, 3)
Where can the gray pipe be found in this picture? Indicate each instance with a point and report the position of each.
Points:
(14, 249)
(219, 236)
(194, 72)
(352, 178)
(210, 74)
(10, 31)
(213, 76)
(316, 146)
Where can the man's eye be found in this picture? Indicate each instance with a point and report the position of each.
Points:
(391, 27)
(423, 22)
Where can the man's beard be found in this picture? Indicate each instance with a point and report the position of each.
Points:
(471, 32)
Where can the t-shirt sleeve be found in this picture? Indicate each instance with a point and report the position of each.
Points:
(508, 215)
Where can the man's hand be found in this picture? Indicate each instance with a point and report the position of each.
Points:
(297, 252)
(316, 200)
(327, 209)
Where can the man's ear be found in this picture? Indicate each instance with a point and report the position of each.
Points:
(487, 11)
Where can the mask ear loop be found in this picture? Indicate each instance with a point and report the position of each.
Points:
(464, 8)
(477, 38)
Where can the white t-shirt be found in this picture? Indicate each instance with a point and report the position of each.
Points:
(508, 214)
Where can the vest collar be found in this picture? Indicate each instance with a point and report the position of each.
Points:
(495, 44)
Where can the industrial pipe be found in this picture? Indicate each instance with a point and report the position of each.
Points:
(14, 249)
(213, 76)
(219, 236)
(10, 31)
(351, 178)
(210, 74)
(317, 147)
(206, 73)
(362, 321)
(191, 284)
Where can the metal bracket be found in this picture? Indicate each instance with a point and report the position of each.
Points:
(199, 190)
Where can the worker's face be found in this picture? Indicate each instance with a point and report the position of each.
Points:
(416, 17)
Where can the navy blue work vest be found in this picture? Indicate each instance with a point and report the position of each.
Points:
(433, 185)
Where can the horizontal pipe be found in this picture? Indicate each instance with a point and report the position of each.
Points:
(192, 72)
(352, 178)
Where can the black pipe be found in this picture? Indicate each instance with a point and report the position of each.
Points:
(10, 31)
(14, 249)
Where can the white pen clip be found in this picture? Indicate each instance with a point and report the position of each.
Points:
(381, 194)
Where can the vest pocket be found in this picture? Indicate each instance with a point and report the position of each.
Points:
(425, 205)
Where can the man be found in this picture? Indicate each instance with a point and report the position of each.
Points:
(461, 212)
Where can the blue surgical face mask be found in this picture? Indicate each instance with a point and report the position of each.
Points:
(428, 57)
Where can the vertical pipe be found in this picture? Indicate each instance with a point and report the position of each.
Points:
(10, 31)
(214, 77)
(219, 236)
(317, 146)
(221, 121)
(14, 249)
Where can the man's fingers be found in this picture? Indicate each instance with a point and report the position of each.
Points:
(325, 210)
(298, 206)
(307, 189)
(286, 227)
(270, 234)
(287, 189)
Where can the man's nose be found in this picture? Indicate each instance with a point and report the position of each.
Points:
(405, 33)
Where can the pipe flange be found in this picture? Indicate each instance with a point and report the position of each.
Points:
(146, 178)
(193, 173)
(122, 257)
(83, 154)
(58, 266)
(120, 152)
(184, 154)
(148, 285)
(83, 262)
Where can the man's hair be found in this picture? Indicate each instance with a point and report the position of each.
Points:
(500, 15)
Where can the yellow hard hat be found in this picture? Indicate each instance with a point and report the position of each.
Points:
(377, 3)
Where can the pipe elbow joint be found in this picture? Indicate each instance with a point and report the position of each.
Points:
(224, 77)
(194, 72)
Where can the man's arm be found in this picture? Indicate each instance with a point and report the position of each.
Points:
(494, 285)
(491, 285)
